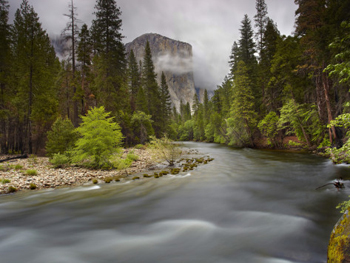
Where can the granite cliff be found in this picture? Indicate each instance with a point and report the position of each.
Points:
(172, 57)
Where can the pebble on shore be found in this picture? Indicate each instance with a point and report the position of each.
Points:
(49, 177)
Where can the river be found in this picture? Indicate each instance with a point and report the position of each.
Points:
(245, 206)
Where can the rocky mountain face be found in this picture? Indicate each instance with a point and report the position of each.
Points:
(172, 57)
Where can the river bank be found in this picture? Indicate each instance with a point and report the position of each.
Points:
(38, 173)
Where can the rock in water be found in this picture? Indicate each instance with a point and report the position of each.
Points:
(172, 57)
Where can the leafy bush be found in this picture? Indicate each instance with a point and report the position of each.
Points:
(59, 160)
(31, 172)
(164, 149)
(268, 126)
(61, 137)
(100, 138)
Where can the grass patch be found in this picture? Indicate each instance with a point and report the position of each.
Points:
(31, 172)
(32, 186)
(18, 167)
(5, 181)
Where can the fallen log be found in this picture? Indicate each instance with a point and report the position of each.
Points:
(24, 156)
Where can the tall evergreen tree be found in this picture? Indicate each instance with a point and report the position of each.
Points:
(165, 100)
(243, 117)
(134, 79)
(246, 44)
(260, 23)
(150, 85)
(110, 66)
(35, 65)
(70, 35)
(311, 28)
(4, 73)
(84, 53)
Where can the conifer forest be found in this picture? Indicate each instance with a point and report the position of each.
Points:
(277, 85)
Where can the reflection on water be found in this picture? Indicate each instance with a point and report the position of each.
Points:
(246, 206)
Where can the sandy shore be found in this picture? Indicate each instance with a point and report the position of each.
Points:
(13, 173)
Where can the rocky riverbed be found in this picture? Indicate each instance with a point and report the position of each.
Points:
(38, 173)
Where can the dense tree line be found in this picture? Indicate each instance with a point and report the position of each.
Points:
(280, 85)
(277, 85)
(36, 88)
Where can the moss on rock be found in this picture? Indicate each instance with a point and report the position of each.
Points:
(338, 248)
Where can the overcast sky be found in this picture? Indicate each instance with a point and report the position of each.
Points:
(210, 26)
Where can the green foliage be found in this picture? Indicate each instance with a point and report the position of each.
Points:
(94, 181)
(303, 120)
(31, 172)
(60, 160)
(61, 138)
(185, 131)
(343, 153)
(243, 117)
(164, 149)
(340, 69)
(100, 138)
(269, 126)
(142, 124)
(32, 186)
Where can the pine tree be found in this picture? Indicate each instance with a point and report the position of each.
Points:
(141, 101)
(70, 35)
(35, 65)
(247, 55)
(243, 118)
(134, 79)
(206, 110)
(110, 68)
(4, 72)
(260, 23)
(165, 109)
(246, 44)
(311, 27)
(107, 37)
(269, 47)
(151, 88)
(84, 53)
(234, 58)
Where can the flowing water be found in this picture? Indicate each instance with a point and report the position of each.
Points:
(245, 206)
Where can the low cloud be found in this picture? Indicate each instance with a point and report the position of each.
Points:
(177, 64)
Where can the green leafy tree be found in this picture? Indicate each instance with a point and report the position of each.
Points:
(269, 127)
(164, 149)
(100, 138)
(61, 138)
(302, 120)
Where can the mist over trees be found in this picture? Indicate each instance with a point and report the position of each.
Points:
(277, 85)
